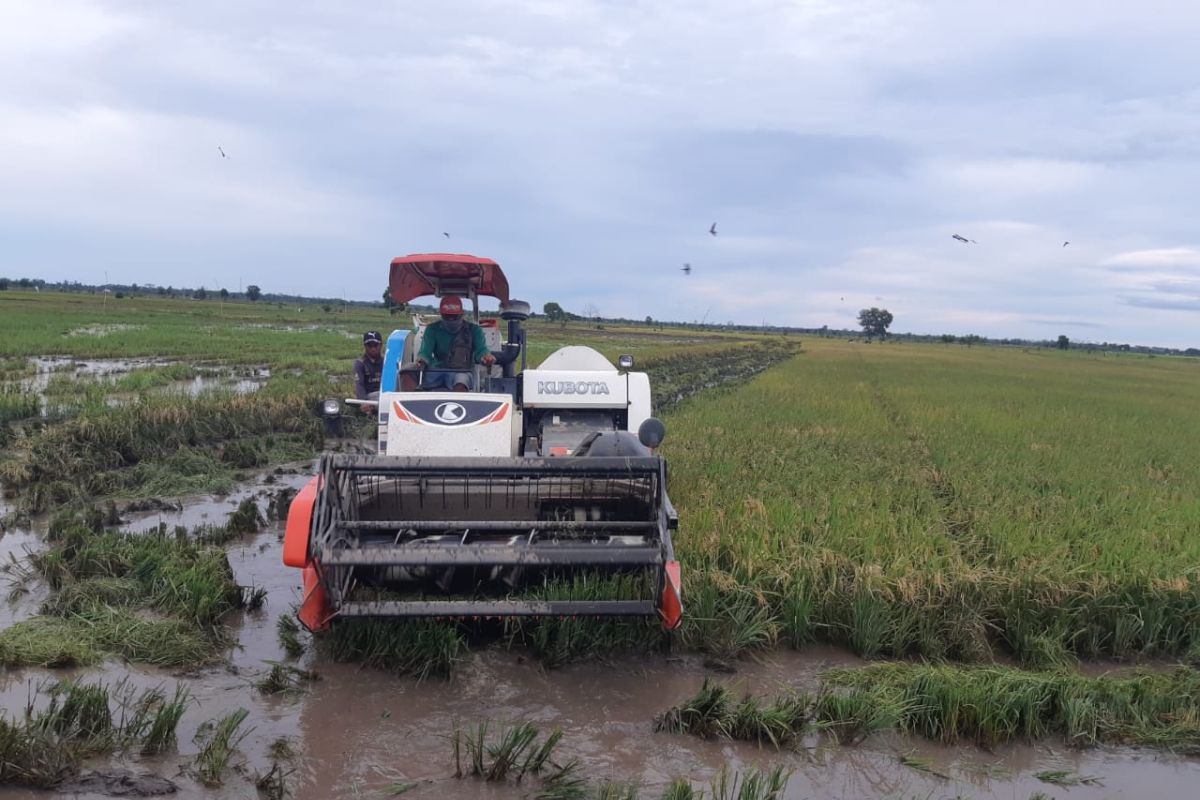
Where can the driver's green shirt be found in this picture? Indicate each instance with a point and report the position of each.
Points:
(437, 343)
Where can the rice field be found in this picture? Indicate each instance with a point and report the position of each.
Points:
(945, 502)
(982, 522)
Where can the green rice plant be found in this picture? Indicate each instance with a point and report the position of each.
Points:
(420, 648)
(218, 740)
(288, 631)
(151, 598)
(272, 784)
(399, 788)
(557, 641)
(563, 783)
(707, 714)
(139, 380)
(159, 735)
(613, 790)
(513, 751)
(152, 446)
(80, 712)
(1062, 777)
(32, 756)
(285, 678)
(77, 720)
(680, 789)
(922, 765)
(994, 705)
(46, 642)
(17, 404)
(714, 713)
(246, 518)
(850, 717)
(750, 784)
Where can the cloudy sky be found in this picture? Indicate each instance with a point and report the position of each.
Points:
(588, 145)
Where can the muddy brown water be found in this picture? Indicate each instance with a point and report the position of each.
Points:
(359, 732)
(241, 380)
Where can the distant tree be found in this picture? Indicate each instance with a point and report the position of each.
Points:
(1063, 342)
(949, 338)
(253, 292)
(554, 312)
(200, 294)
(875, 321)
(327, 308)
(224, 294)
(387, 297)
(25, 283)
(970, 339)
(649, 320)
(3, 284)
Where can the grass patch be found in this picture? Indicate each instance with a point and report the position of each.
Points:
(17, 404)
(994, 705)
(284, 678)
(988, 706)
(288, 631)
(556, 641)
(1062, 777)
(140, 380)
(511, 751)
(219, 740)
(161, 445)
(68, 721)
(154, 598)
(714, 712)
(420, 648)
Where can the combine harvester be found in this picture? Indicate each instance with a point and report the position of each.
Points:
(477, 500)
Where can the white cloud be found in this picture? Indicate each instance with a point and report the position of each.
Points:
(1157, 258)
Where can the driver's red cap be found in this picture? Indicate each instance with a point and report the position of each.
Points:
(450, 305)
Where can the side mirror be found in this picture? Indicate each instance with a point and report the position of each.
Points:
(625, 362)
(652, 432)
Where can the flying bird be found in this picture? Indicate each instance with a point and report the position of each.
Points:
(445, 234)
(713, 229)
(222, 152)
(963, 239)
(687, 269)
(1065, 244)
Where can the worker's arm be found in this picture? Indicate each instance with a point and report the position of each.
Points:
(428, 342)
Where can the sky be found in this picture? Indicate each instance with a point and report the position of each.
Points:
(589, 145)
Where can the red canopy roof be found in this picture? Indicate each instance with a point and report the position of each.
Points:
(446, 274)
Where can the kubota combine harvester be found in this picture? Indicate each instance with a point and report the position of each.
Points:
(476, 501)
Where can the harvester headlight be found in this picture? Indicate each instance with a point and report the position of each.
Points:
(332, 408)
(625, 362)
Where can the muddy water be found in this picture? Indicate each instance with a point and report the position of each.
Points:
(242, 380)
(359, 732)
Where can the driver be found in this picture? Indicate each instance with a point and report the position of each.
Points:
(453, 343)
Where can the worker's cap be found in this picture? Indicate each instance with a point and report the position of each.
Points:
(372, 337)
(450, 305)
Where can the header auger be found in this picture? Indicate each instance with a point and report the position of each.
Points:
(491, 503)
